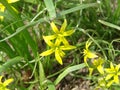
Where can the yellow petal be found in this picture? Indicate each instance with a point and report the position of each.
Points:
(88, 43)
(54, 28)
(7, 82)
(46, 39)
(109, 76)
(116, 79)
(117, 67)
(62, 29)
(48, 52)
(67, 47)
(109, 70)
(68, 33)
(12, 1)
(111, 66)
(1, 78)
(100, 69)
(57, 56)
(65, 42)
(1, 18)
(50, 37)
(85, 61)
(110, 83)
(2, 8)
(91, 54)
(90, 71)
(58, 42)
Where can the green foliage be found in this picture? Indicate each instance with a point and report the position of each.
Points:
(24, 24)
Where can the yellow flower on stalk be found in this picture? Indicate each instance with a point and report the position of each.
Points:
(57, 49)
(87, 53)
(2, 7)
(113, 74)
(60, 34)
(97, 64)
(3, 85)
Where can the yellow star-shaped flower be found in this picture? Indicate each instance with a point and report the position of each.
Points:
(60, 34)
(57, 48)
(97, 64)
(87, 53)
(113, 74)
(3, 85)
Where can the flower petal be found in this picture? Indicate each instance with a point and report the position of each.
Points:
(54, 28)
(12, 1)
(88, 43)
(111, 66)
(48, 52)
(62, 29)
(100, 69)
(117, 67)
(67, 47)
(1, 78)
(62, 54)
(7, 82)
(109, 76)
(57, 56)
(91, 54)
(65, 42)
(110, 83)
(68, 33)
(90, 71)
(46, 39)
(2, 8)
(58, 42)
(116, 79)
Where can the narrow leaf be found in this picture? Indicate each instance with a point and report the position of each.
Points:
(10, 63)
(82, 6)
(109, 24)
(50, 7)
(67, 71)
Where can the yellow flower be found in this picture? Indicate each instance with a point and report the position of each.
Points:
(2, 7)
(113, 74)
(57, 49)
(60, 34)
(87, 53)
(3, 85)
(97, 64)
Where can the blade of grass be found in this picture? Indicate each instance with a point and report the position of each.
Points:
(50, 7)
(109, 24)
(7, 49)
(82, 6)
(67, 71)
(23, 28)
(7, 65)
(41, 75)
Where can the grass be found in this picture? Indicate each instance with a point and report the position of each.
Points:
(21, 41)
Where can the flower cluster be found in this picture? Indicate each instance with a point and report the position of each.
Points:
(3, 85)
(108, 76)
(2, 7)
(58, 42)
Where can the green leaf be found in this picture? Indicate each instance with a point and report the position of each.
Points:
(22, 28)
(67, 71)
(41, 74)
(10, 63)
(82, 6)
(109, 24)
(31, 1)
(50, 7)
(50, 85)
